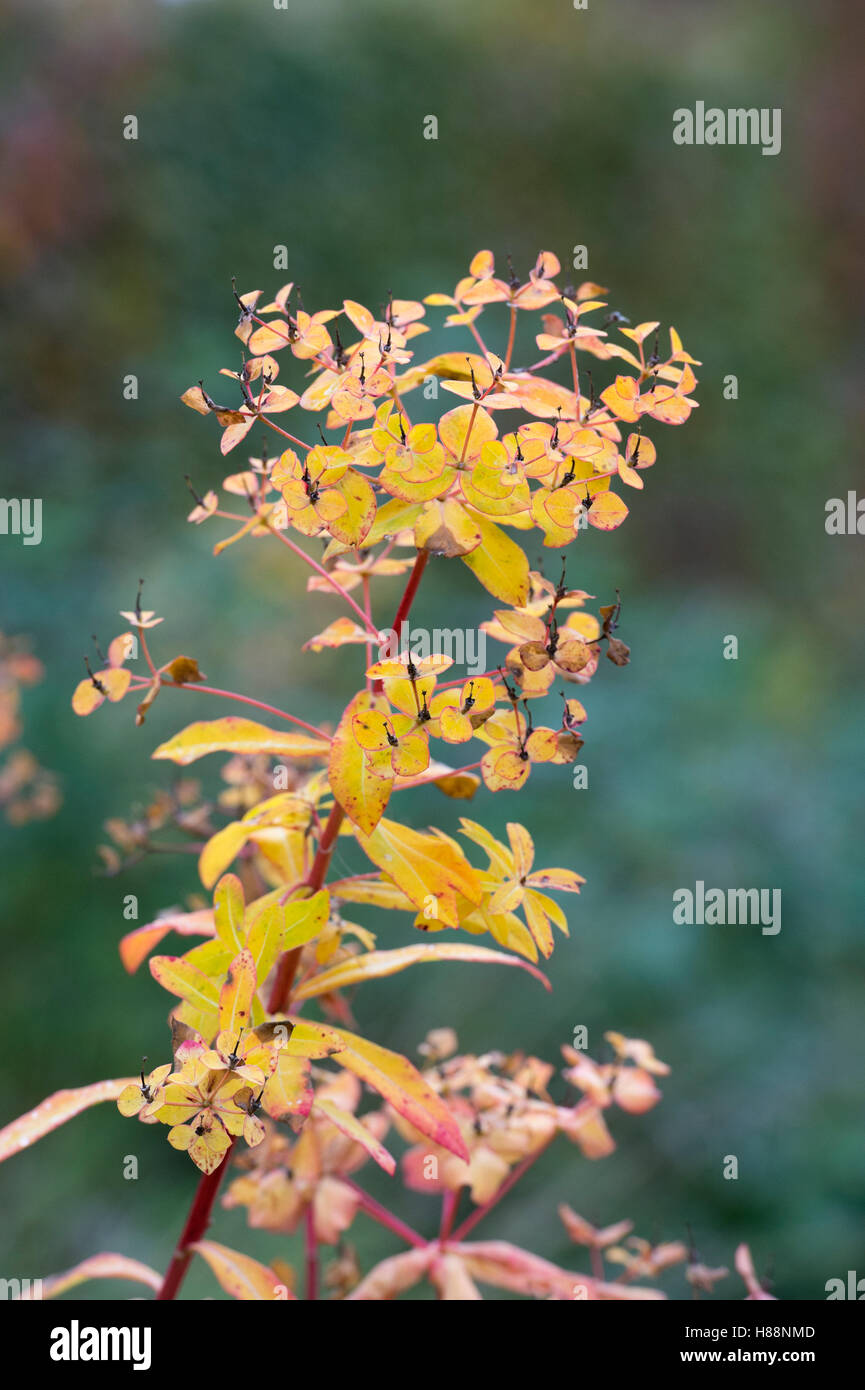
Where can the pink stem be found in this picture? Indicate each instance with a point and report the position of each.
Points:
(385, 1217)
(334, 583)
(480, 1212)
(248, 700)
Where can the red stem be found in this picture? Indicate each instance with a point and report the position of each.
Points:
(288, 964)
(311, 1246)
(385, 1217)
(450, 1202)
(410, 590)
(197, 1223)
(248, 700)
(480, 1212)
(325, 574)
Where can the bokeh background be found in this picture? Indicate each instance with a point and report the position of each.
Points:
(303, 126)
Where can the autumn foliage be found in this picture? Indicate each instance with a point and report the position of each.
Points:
(264, 1081)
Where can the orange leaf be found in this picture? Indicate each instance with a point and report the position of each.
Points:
(394, 1077)
(136, 945)
(360, 792)
(242, 1276)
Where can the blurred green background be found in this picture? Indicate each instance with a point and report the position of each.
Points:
(304, 126)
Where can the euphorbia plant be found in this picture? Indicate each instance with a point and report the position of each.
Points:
(252, 1078)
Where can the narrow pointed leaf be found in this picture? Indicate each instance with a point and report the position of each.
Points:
(235, 735)
(355, 1129)
(102, 1266)
(377, 964)
(55, 1111)
(240, 1275)
(394, 1077)
(136, 945)
(235, 998)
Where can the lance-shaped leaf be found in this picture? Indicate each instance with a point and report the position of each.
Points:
(376, 964)
(424, 867)
(56, 1110)
(453, 1281)
(394, 1077)
(355, 1129)
(394, 1275)
(506, 1266)
(240, 1275)
(136, 945)
(280, 812)
(220, 850)
(264, 938)
(235, 735)
(235, 997)
(102, 1266)
(228, 913)
(377, 892)
(305, 918)
(361, 793)
(184, 979)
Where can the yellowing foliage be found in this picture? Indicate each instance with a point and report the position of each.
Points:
(517, 455)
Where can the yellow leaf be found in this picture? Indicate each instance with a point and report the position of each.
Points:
(404, 1088)
(304, 919)
(288, 1093)
(499, 563)
(464, 430)
(607, 511)
(228, 913)
(393, 516)
(375, 892)
(355, 1129)
(425, 867)
(360, 792)
(235, 997)
(377, 964)
(220, 850)
(446, 528)
(352, 525)
(240, 1275)
(236, 735)
(184, 979)
(264, 938)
